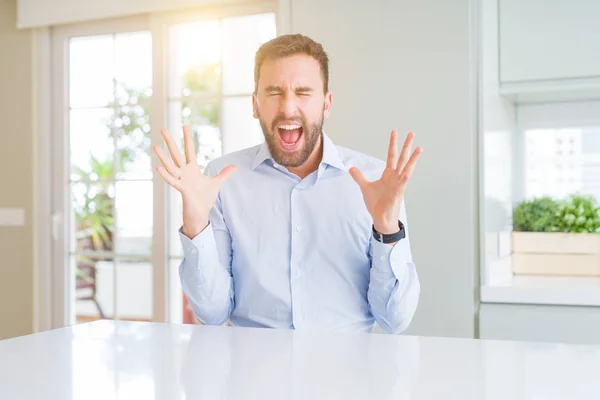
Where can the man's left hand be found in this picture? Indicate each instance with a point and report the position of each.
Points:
(383, 196)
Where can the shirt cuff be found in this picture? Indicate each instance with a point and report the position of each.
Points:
(390, 261)
(203, 240)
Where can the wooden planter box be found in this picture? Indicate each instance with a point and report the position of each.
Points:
(559, 254)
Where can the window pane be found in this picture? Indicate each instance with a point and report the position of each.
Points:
(202, 117)
(177, 313)
(590, 173)
(93, 288)
(562, 162)
(175, 222)
(134, 290)
(240, 128)
(97, 297)
(91, 71)
(554, 162)
(242, 36)
(134, 217)
(195, 64)
(209, 144)
(92, 219)
(132, 125)
(133, 59)
(91, 143)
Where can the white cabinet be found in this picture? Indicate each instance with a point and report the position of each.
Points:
(549, 50)
(543, 40)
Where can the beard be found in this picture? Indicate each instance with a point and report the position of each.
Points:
(311, 134)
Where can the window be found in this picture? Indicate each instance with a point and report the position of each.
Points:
(562, 161)
(553, 151)
(110, 178)
(118, 250)
(211, 81)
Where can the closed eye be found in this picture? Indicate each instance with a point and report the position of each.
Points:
(273, 90)
(303, 91)
(278, 91)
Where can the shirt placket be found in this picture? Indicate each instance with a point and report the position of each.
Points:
(298, 235)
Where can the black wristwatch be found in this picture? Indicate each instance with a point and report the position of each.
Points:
(391, 238)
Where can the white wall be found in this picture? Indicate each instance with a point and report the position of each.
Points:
(16, 175)
(409, 65)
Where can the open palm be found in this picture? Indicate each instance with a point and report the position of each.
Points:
(383, 196)
(199, 192)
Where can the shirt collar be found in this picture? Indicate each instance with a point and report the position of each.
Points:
(331, 154)
(262, 155)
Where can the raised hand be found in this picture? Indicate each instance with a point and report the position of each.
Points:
(199, 192)
(383, 196)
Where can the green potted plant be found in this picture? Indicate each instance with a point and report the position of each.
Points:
(93, 214)
(557, 237)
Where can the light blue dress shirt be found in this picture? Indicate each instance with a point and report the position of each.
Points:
(291, 253)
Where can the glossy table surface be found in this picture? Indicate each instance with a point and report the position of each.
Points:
(136, 360)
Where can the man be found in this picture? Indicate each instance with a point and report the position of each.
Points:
(305, 234)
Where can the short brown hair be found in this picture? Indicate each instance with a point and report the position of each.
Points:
(289, 45)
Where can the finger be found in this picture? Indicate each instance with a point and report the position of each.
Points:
(406, 148)
(358, 177)
(173, 149)
(189, 145)
(410, 165)
(166, 161)
(392, 158)
(226, 173)
(170, 179)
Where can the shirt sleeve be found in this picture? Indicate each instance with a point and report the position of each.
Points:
(205, 272)
(394, 286)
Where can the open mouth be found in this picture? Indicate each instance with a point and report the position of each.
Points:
(290, 136)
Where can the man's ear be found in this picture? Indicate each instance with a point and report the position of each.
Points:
(327, 105)
(254, 105)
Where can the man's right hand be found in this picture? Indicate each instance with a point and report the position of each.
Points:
(198, 191)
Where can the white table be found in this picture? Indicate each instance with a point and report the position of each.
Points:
(131, 360)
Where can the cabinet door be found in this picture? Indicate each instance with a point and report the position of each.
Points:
(549, 40)
(540, 323)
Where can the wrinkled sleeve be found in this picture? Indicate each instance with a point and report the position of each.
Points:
(205, 271)
(394, 286)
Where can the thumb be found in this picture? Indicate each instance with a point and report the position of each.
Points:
(358, 177)
(226, 173)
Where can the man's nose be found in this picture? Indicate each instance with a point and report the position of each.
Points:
(288, 103)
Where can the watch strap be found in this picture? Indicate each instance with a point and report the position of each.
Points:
(390, 238)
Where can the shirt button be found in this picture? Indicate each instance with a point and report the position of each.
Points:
(298, 273)
(298, 228)
(194, 251)
(382, 258)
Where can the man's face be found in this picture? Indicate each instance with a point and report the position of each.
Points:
(290, 105)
